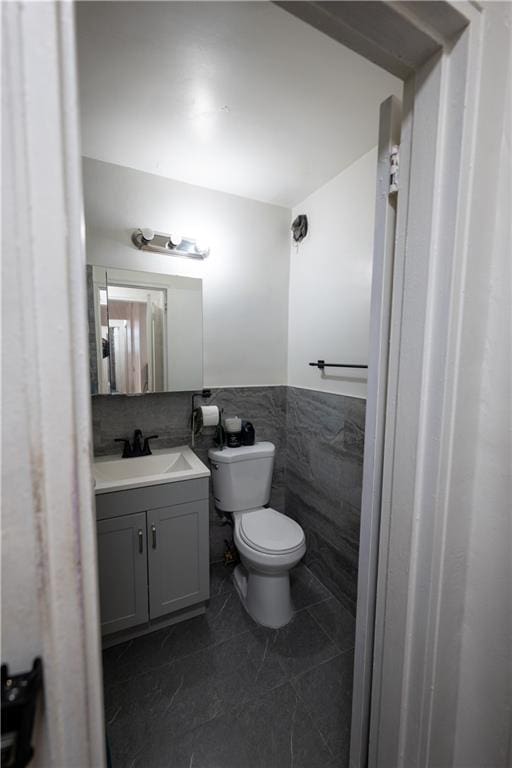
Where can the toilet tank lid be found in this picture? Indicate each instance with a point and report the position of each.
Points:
(244, 453)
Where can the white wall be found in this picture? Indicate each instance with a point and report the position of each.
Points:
(330, 282)
(245, 278)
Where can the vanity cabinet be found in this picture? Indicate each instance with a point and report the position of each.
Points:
(178, 568)
(153, 555)
(122, 565)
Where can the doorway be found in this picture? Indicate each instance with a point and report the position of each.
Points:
(429, 86)
(317, 305)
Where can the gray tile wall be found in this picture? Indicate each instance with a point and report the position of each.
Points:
(319, 457)
(324, 467)
(167, 414)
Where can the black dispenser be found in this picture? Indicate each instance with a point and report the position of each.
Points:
(248, 434)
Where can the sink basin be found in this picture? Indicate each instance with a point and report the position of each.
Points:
(164, 466)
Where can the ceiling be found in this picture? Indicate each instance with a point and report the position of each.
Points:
(240, 97)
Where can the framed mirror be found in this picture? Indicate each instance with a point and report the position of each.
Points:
(145, 332)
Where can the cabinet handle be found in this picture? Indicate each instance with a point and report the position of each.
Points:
(153, 534)
(141, 541)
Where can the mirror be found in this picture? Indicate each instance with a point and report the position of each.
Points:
(145, 332)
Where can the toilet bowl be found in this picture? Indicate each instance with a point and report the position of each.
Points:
(269, 543)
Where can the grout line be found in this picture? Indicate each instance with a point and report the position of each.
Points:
(303, 671)
(324, 586)
(321, 664)
(176, 659)
(331, 594)
(311, 605)
(317, 621)
(312, 718)
(227, 710)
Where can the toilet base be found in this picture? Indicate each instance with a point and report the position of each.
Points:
(265, 597)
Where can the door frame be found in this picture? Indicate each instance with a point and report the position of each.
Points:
(386, 205)
(43, 247)
(436, 48)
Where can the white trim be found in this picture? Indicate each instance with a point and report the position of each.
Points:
(42, 109)
(416, 468)
(380, 320)
(440, 107)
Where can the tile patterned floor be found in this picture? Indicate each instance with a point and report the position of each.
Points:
(219, 691)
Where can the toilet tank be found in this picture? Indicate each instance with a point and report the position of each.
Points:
(242, 477)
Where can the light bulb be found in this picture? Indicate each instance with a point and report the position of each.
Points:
(202, 247)
(147, 234)
(175, 240)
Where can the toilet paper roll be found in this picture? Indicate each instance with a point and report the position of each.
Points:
(208, 416)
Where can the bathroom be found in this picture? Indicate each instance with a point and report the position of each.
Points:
(205, 141)
(221, 138)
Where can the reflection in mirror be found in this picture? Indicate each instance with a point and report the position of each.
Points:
(136, 348)
(145, 332)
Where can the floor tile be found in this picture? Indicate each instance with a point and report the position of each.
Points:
(279, 732)
(305, 588)
(220, 691)
(273, 731)
(217, 744)
(224, 618)
(180, 696)
(326, 692)
(336, 621)
(221, 579)
(299, 645)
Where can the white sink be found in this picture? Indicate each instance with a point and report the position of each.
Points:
(163, 466)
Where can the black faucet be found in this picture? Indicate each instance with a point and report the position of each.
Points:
(137, 447)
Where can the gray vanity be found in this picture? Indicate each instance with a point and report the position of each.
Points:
(146, 335)
(153, 541)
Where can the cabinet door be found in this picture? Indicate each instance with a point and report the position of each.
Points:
(178, 557)
(122, 559)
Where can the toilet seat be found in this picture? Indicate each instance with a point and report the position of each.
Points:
(267, 530)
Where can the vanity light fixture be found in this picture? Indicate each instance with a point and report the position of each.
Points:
(173, 245)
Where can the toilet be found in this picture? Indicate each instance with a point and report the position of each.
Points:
(269, 543)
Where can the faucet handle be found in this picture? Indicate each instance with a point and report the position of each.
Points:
(146, 451)
(127, 451)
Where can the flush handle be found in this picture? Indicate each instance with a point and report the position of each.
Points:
(153, 535)
(141, 542)
(214, 465)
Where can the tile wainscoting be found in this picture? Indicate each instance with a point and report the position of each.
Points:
(324, 470)
(319, 458)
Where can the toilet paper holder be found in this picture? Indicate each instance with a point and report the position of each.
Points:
(205, 394)
(194, 425)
